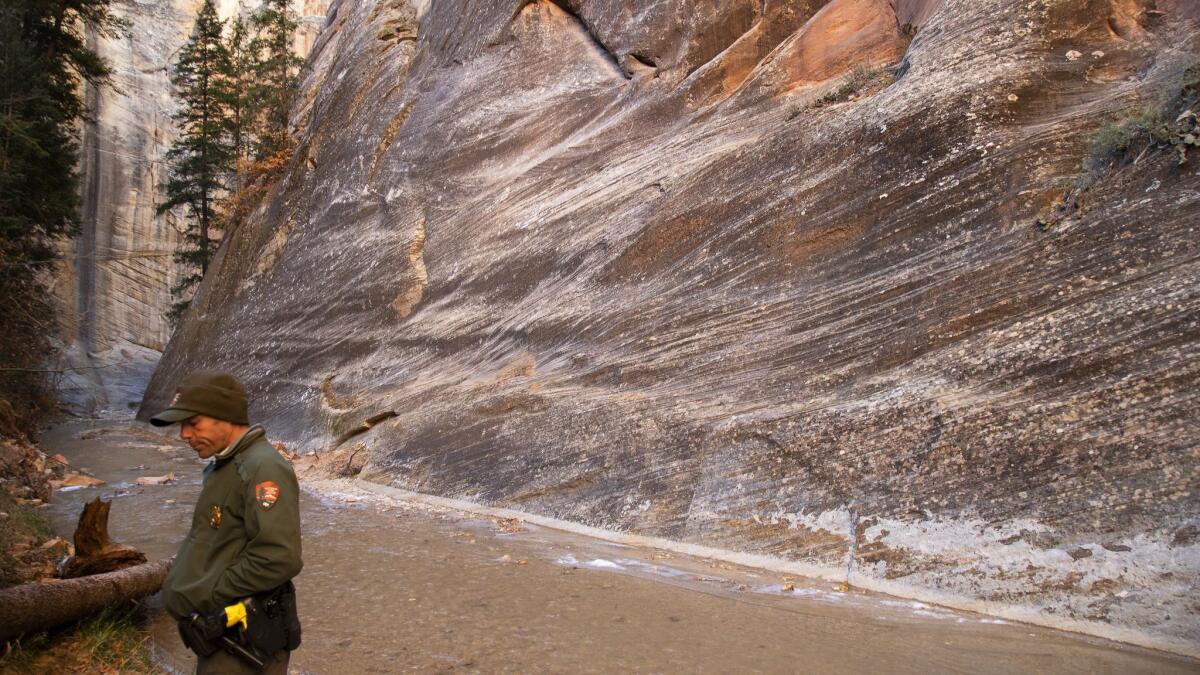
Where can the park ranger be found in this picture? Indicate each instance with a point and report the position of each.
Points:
(230, 585)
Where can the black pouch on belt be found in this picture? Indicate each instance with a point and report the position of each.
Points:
(272, 622)
(202, 633)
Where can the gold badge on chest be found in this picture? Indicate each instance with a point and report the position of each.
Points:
(214, 518)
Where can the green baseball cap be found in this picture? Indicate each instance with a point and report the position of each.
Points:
(206, 392)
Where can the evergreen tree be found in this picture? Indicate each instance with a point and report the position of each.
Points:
(44, 61)
(240, 91)
(201, 158)
(276, 75)
(45, 65)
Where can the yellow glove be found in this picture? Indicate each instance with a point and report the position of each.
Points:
(235, 614)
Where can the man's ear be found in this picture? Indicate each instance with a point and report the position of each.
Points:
(234, 433)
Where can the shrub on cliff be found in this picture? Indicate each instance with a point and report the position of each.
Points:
(1169, 122)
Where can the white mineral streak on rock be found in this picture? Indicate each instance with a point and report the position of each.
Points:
(985, 558)
(837, 522)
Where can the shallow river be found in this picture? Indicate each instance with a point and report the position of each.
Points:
(392, 587)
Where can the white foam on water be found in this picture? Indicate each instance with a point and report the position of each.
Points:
(926, 614)
(908, 604)
(342, 497)
(802, 592)
(595, 563)
(921, 609)
(660, 570)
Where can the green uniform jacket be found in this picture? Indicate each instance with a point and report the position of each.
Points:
(245, 535)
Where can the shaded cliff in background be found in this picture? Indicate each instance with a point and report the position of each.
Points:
(113, 287)
(813, 280)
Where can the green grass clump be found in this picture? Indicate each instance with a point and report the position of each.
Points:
(861, 76)
(1169, 121)
(110, 641)
(117, 639)
(1143, 129)
(1161, 124)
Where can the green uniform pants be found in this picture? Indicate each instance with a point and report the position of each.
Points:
(224, 663)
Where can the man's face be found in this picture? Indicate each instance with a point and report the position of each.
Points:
(207, 435)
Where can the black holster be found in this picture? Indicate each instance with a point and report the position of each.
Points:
(272, 621)
(272, 624)
(202, 632)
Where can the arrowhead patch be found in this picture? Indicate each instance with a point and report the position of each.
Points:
(266, 494)
(214, 517)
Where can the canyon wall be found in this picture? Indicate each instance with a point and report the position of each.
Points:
(113, 286)
(818, 280)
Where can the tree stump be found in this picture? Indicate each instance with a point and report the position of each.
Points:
(100, 574)
(95, 552)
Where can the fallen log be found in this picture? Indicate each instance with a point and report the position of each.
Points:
(100, 574)
(37, 606)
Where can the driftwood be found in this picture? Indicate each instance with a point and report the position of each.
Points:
(95, 552)
(105, 575)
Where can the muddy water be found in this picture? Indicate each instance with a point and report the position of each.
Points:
(391, 587)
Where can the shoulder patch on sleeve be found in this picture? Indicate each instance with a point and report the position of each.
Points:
(266, 494)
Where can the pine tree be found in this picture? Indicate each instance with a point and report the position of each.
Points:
(44, 65)
(43, 62)
(201, 157)
(240, 92)
(277, 75)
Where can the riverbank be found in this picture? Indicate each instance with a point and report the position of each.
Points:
(391, 584)
(113, 641)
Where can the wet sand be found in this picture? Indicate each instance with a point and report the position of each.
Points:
(392, 587)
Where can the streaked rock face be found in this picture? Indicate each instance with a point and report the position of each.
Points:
(114, 287)
(760, 276)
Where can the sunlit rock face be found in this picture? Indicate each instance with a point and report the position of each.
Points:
(759, 276)
(114, 284)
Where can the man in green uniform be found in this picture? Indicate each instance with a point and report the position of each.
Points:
(230, 584)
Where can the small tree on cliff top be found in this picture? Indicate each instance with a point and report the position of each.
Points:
(240, 92)
(201, 158)
(276, 75)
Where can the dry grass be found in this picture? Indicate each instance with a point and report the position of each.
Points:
(21, 522)
(862, 78)
(112, 641)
